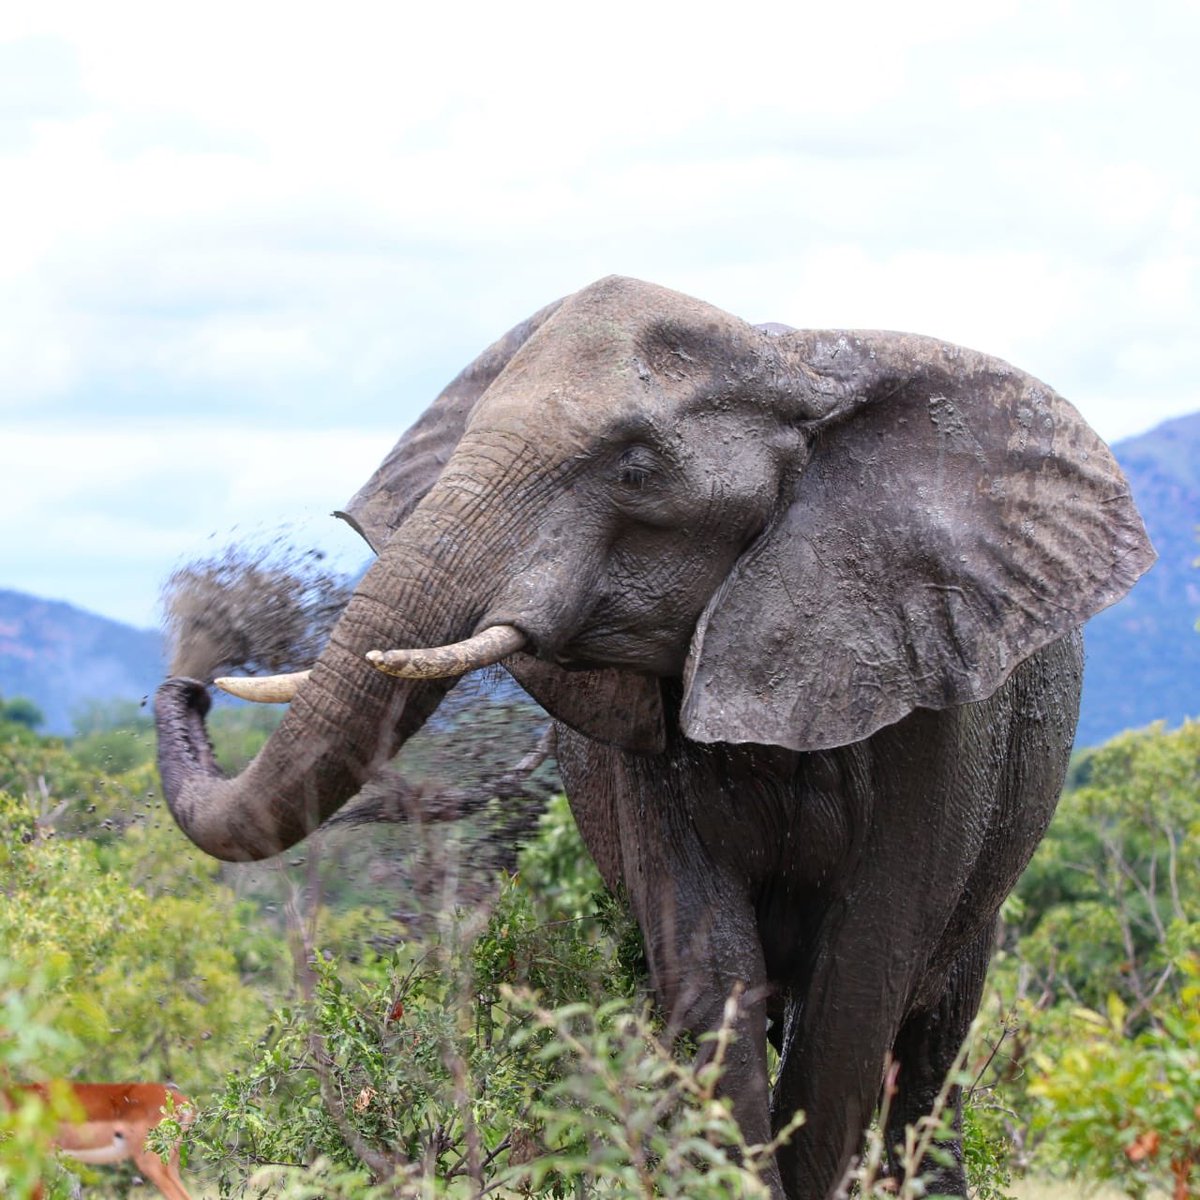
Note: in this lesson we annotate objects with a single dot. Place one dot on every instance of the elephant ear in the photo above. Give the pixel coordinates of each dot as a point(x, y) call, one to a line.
point(954, 516)
point(611, 706)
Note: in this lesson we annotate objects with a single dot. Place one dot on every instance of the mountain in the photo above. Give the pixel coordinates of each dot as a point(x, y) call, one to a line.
point(61, 657)
point(1143, 654)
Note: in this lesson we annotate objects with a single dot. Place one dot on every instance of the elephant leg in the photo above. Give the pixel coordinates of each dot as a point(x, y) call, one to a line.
point(835, 1046)
point(925, 1050)
point(697, 963)
point(696, 969)
point(697, 921)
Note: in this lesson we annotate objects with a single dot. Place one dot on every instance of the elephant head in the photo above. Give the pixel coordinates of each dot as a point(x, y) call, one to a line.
point(812, 532)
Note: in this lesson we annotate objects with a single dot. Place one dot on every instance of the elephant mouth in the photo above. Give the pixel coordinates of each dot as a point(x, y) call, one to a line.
point(625, 649)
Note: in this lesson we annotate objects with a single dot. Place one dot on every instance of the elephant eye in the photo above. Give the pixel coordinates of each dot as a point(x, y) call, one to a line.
point(635, 468)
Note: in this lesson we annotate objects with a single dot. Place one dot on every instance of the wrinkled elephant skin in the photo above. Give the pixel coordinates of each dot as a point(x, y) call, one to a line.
point(806, 606)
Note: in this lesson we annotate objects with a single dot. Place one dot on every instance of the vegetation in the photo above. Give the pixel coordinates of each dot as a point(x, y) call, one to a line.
point(27, 1037)
point(452, 1070)
point(21, 712)
point(347, 1034)
point(1099, 1066)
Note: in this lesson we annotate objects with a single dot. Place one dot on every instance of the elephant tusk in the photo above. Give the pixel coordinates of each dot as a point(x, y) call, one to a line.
point(263, 689)
point(441, 662)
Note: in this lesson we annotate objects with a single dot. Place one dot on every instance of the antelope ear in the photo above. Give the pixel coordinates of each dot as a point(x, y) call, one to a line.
point(413, 465)
point(610, 706)
point(954, 516)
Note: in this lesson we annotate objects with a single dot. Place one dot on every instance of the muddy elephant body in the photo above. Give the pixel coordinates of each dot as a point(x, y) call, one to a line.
point(811, 879)
point(806, 606)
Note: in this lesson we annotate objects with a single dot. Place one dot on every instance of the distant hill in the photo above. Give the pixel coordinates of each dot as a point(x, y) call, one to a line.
point(1143, 659)
point(60, 657)
point(1143, 654)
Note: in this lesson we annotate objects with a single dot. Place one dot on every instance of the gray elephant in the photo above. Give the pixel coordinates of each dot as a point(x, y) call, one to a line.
point(805, 606)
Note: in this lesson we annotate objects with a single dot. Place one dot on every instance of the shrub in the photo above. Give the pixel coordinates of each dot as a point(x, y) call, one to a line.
point(1127, 1109)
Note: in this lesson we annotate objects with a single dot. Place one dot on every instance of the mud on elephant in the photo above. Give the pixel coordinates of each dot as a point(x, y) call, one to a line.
point(805, 605)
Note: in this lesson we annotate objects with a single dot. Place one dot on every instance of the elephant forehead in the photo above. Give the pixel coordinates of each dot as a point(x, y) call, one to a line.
point(633, 306)
point(617, 354)
point(574, 404)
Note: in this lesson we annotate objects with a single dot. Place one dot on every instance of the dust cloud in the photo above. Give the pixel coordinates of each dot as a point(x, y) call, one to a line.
point(251, 610)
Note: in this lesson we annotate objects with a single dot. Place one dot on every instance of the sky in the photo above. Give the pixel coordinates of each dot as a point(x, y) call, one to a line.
point(243, 245)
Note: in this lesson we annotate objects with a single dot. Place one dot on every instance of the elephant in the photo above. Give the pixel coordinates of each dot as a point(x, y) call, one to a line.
point(805, 607)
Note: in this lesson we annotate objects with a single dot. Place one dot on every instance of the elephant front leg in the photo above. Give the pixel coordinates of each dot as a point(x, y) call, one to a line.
point(837, 1037)
point(702, 942)
point(703, 954)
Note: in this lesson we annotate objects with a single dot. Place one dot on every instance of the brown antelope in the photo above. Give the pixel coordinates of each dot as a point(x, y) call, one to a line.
point(116, 1119)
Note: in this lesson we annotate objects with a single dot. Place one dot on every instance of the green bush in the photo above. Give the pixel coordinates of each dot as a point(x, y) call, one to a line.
point(1127, 1108)
point(1097, 970)
point(408, 1062)
point(142, 955)
point(1113, 893)
point(28, 1038)
point(438, 1073)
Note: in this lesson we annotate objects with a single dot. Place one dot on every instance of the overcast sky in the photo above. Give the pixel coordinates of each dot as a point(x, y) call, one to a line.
point(244, 244)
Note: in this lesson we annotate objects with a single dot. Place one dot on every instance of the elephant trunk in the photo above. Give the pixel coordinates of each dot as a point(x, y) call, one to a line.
point(347, 719)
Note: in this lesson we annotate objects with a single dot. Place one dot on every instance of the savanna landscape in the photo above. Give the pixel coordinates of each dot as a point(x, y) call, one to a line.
point(387, 1013)
point(739, 738)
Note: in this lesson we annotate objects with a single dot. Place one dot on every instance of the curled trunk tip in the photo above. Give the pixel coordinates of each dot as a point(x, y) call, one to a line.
point(443, 662)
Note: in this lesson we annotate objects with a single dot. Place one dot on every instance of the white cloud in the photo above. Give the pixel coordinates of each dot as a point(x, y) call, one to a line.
point(97, 504)
point(298, 220)
point(1028, 84)
point(241, 347)
point(52, 469)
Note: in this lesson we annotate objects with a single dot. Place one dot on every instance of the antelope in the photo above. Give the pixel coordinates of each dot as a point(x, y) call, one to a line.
point(116, 1119)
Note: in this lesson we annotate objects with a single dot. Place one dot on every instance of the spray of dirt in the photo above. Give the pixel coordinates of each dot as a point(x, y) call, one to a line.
point(476, 778)
point(251, 610)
